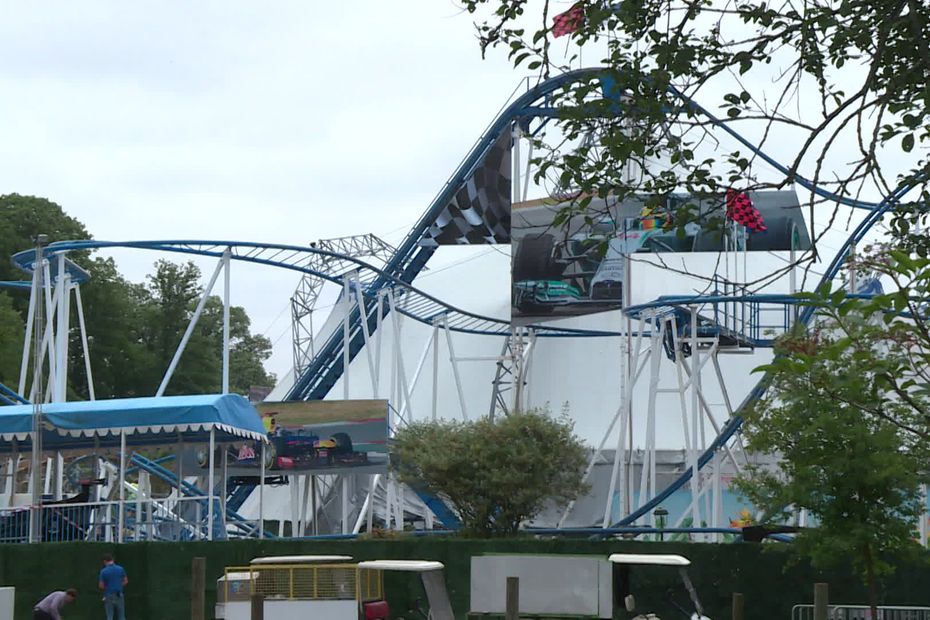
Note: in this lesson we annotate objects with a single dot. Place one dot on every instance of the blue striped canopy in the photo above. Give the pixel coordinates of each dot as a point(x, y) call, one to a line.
point(81, 425)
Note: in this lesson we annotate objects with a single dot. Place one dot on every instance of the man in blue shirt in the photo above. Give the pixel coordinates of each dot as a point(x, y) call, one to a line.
point(112, 581)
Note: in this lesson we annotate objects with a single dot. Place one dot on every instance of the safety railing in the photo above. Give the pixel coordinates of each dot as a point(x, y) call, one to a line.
point(730, 311)
point(166, 519)
point(303, 582)
point(863, 612)
point(751, 316)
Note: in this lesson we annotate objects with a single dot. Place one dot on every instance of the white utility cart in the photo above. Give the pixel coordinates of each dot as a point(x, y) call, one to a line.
point(622, 589)
point(276, 577)
point(324, 588)
point(576, 586)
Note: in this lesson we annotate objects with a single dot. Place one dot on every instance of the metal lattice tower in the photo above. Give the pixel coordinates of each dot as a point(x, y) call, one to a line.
point(512, 370)
point(304, 299)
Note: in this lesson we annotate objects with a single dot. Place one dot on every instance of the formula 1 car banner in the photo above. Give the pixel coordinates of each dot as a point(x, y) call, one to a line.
point(317, 437)
point(578, 267)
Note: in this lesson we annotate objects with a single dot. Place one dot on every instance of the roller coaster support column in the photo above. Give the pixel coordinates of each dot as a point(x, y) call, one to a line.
point(514, 360)
point(497, 392)
point(121, 521)
point(63, 293)
point(403, 389)
point(379, 308)
point(210, 484)
point(346, 336)
point(190, 330)
point(226, 277)
point(695, 419)
point(365, 512)
point(83, 328)
point(416, 376)
point(435, 339)
point(373, 371)
point(224, 484)
point(647, 478)
point(28, 336)
point(629, 373)
point(518, 349)
point(522, 352)
point(516, 136)
point(35, 521)
point(48, 344)
point(261, 494)
point(455, 368)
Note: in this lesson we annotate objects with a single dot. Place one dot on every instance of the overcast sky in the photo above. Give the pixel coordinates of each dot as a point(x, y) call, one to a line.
point(284, 122)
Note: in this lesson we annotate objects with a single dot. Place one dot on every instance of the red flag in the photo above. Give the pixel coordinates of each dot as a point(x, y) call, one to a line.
point(741, 210)
point(569, 21)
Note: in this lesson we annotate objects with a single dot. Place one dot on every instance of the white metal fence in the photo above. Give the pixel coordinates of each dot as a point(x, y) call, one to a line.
point(863, 612)
point(166, 519)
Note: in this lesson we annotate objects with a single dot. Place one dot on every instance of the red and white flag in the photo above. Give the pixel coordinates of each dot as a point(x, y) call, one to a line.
point(569, 21)
point(741, 210)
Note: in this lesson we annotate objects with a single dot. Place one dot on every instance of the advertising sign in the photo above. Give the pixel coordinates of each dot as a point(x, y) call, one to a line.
point(317, 437)
point(578, 267)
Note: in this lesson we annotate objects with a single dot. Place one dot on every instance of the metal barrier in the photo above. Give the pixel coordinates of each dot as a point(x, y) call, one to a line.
point(304, 582)
point(863, 612)
point(170, 519)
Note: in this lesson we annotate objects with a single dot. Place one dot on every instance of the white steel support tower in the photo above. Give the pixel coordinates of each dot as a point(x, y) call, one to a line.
point(307, 293)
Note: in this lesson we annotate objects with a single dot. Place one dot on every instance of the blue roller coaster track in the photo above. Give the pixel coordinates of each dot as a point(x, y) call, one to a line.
point(412, 255)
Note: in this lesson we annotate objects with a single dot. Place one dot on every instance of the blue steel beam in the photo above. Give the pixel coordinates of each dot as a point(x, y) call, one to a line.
point(410, 258)
point(733, 425)
point(326, 368)
point(293, 257)
point(11, 397)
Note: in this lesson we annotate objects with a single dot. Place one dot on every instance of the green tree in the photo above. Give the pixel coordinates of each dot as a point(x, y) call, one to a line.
point(173, 292)
point(133, 329)
point(852, 453)
point(495, 474)
point(21, 219)
point(247, 354)
point(121, 362)
point(11, 342)
point(847, 80)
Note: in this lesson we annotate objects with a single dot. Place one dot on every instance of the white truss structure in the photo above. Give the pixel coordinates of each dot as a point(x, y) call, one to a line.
point(307, 293)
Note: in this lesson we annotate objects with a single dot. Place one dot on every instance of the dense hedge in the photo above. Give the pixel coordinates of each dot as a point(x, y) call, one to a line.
point(159, 573)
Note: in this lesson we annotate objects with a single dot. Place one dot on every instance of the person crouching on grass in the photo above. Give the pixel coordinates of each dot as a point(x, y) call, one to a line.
point(50, 607)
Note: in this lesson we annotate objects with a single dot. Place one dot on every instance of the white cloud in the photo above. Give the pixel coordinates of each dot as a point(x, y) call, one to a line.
point(286, 122)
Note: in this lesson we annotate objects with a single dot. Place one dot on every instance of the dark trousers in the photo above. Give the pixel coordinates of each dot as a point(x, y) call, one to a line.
point(38, 614)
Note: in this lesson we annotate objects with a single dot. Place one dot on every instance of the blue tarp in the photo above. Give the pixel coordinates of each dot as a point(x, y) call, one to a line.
point(149, 421)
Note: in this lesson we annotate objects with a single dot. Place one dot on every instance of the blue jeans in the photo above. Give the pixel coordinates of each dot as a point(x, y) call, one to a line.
point(115, 606)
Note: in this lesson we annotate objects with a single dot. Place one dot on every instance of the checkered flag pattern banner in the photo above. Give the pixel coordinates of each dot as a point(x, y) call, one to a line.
point(741, 210)
point(569, 21)
point(480, 211)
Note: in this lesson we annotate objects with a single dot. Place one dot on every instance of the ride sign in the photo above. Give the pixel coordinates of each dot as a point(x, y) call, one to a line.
point(317, 437)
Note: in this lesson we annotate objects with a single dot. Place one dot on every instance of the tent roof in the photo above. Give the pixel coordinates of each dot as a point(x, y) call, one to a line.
point(146, 421)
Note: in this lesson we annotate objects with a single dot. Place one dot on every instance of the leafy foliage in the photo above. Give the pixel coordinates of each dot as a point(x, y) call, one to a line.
point(133, 329)
point(846, 81)
point(166, 305)
point(496, 474)
point(843, 413)
point(11, 341)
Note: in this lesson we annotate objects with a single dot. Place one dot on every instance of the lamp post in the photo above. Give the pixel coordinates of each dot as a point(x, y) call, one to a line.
point(661, 514)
